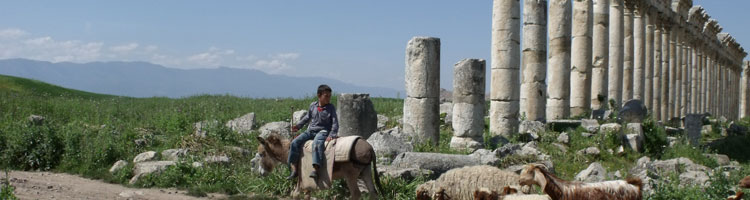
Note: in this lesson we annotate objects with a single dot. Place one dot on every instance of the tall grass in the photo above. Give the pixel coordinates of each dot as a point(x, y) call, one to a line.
point(85, 133)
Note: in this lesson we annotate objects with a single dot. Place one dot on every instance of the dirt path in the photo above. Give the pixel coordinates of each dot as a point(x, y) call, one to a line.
point(47, 185)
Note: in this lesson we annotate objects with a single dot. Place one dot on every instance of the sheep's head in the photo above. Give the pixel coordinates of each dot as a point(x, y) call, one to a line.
point(507, 190)
point(485, 194)
point(533, 174)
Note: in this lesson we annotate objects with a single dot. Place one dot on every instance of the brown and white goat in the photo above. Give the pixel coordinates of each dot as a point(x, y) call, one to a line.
point(745, 182)
point(556, 188)
point(737, 196)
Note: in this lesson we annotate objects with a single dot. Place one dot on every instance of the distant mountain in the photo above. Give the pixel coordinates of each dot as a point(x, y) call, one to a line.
point(142, 79)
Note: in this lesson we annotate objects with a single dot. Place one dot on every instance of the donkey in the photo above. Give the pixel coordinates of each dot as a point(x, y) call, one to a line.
point(274, 150)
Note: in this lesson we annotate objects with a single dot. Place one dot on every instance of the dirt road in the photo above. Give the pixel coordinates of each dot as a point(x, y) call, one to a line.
point(47, 185)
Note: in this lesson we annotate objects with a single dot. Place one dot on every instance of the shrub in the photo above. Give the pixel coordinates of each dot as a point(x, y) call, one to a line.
point(6, 190)
point(31, 147)
point(655, 140)
point(670, 188)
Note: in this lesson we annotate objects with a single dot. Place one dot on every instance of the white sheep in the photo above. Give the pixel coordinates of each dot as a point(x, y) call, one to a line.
point(461, 183)
point(556, 188)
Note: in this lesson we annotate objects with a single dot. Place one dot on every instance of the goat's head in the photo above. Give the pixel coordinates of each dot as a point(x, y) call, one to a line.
point(533, 174)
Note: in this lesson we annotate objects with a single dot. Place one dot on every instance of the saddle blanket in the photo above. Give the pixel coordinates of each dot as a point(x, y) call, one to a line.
point(337, 150)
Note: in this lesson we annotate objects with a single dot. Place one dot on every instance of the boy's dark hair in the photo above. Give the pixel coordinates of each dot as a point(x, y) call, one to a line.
point(323, 88)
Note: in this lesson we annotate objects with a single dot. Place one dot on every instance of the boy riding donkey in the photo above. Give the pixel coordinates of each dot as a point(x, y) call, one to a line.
point(323, 127)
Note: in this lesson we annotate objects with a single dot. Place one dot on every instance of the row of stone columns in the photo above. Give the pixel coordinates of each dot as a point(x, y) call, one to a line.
point(668, 54)
point(663, 52)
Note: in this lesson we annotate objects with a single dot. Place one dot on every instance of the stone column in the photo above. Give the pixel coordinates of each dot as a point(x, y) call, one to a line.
point(656, 101)
point(706, 80)
point(714, 89)
point(533, 88)
point(736, 92)
point(356, 115)
point(695, 80)
point(421, 106)
point(745, 90)
point(504, 89)
point(468, 104)
point(664, 86)
point(558, 88)
point(639, 62)
point(720, 89)
point(702, 71)
point(580, 77)
point(649, 63)
point(715, 86)
point(600, 48)
point(684, 68)
point(616, 51)
point(674, 47)
point(727, 91)
point(627, 68)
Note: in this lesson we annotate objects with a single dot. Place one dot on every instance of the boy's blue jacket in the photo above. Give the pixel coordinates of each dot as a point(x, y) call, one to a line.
point(321, 118)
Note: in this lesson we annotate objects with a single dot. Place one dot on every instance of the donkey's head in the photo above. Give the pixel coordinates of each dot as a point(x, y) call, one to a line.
point(272, 151)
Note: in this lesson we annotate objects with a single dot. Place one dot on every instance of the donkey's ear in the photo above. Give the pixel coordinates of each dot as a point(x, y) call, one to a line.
point(273, 140)
point(261, 140)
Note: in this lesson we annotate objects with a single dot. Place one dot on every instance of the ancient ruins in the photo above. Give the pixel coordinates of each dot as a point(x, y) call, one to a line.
point(580, 57)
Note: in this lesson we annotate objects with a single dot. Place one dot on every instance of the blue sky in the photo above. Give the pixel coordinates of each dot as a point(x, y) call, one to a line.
point(360, 42)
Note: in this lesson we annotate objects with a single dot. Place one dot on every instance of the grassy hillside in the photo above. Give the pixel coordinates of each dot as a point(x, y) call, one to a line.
point(11, 84)
point(85, 133)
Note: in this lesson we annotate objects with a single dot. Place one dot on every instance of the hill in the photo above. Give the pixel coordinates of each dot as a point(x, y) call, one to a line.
point(26, 86)
point(142, 79)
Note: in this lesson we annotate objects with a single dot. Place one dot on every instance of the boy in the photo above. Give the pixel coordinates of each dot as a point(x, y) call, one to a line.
point(323, 120)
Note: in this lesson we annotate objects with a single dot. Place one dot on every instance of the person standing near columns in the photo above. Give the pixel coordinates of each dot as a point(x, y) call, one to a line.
point(600, 57)
point(580, 75)
point(616, 48)
point(504, 88)
point(627, 68)
point(533, 88)
point(558, 87)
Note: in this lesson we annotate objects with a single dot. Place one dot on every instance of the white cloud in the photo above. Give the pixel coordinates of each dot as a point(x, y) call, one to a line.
point(125, 48)
point(214, 57)
point(12, 33)
point(17, 43)
point(46, 48)
point(151, 48)
point(276, 64)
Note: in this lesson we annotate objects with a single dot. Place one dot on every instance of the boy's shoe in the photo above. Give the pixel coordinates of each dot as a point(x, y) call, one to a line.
point(293, 175)
point(314, 174)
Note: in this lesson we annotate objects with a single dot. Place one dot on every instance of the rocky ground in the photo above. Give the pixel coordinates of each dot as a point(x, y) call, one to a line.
point(47, 185)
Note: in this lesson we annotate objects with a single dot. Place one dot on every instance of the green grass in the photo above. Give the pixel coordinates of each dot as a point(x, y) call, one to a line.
point(85, 133)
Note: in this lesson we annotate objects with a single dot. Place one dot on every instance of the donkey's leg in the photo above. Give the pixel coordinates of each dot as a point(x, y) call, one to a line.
point(366, 176)
point(351, 182)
